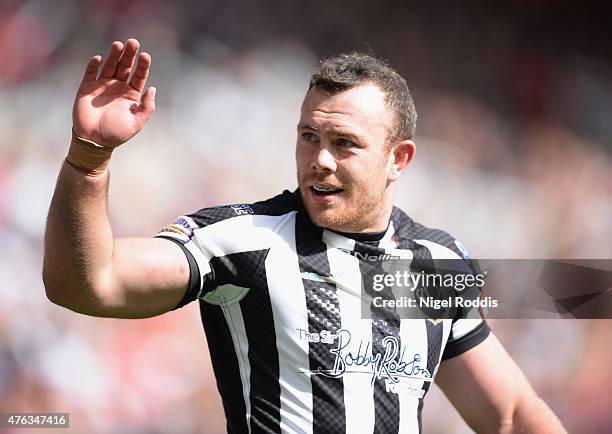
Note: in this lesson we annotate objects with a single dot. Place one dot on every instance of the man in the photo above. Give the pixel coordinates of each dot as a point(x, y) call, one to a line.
point(279, 281)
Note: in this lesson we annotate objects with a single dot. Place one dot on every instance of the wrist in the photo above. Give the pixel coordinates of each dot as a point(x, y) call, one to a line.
point(87, 156)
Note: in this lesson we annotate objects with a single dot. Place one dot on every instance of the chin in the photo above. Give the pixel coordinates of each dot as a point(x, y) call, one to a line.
point(331, 218)
point(324, 219)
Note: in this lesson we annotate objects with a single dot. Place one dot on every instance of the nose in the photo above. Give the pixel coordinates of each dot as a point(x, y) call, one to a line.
point(323, 161)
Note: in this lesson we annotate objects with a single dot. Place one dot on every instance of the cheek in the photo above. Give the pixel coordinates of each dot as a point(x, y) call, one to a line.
point(370, 173)
point(299, 165)
point(302, 157)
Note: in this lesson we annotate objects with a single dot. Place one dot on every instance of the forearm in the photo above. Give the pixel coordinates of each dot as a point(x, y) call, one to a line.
point(78, 239)
point(533, 416)
point(492, 394)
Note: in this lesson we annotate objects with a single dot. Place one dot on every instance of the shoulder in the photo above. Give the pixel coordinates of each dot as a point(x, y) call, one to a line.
point(226, 219)
point(409, 232)
point(275, 206)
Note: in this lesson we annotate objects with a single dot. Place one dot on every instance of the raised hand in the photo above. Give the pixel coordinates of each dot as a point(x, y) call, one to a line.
point(108, 109)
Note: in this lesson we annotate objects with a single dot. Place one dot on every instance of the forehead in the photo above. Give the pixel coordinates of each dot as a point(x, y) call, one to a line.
point(361, 109)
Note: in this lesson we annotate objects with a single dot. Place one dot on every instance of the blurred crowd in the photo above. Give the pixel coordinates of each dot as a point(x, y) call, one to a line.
point(513, 158)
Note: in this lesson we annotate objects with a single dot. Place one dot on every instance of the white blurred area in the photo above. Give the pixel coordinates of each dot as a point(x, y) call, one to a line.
point(224, 132)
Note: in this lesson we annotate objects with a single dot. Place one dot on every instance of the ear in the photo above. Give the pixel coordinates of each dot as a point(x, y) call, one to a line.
point(399, 157)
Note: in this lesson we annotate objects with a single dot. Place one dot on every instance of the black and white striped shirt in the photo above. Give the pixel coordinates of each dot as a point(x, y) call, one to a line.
point(281, 302)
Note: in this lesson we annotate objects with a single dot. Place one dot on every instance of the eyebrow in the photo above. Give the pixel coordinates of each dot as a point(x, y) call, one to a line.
point(307, 127)
point(338, 132)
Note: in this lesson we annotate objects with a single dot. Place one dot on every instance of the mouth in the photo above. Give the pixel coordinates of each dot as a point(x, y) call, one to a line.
point(321, 190)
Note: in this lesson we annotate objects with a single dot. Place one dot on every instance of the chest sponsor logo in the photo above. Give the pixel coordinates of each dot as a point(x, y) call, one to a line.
point(352, 356)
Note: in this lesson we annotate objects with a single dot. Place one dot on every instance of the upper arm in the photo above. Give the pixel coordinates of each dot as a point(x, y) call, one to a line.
point(147, 277)
point(485, 385)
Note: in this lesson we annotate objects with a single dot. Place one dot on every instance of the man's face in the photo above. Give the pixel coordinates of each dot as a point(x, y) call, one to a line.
point(343, 163)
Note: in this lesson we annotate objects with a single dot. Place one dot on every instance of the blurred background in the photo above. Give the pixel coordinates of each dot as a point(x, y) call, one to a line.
point(514, 159)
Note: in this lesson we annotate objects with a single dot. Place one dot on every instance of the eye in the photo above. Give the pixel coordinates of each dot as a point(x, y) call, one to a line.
point(345, 143)
point(309, 137)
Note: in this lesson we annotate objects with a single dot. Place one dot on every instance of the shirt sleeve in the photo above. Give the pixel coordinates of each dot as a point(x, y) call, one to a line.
point(470, 327)
point(465, 334)
point(201, 269)
point(194, 275)
point(225, 247)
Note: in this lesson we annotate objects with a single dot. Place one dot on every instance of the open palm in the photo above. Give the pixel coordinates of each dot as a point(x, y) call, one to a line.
point(108, 109)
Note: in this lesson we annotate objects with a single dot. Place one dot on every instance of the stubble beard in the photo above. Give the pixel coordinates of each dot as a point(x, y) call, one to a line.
point(359, 209)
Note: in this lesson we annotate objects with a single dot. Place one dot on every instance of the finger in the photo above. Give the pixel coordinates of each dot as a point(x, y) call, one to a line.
point(91, 70)
point(127, 59)
point(112, 60)
point(139, 78)
point(148, 101)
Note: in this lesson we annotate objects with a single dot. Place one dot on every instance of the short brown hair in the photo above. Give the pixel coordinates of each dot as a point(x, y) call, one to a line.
point(344, 71)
